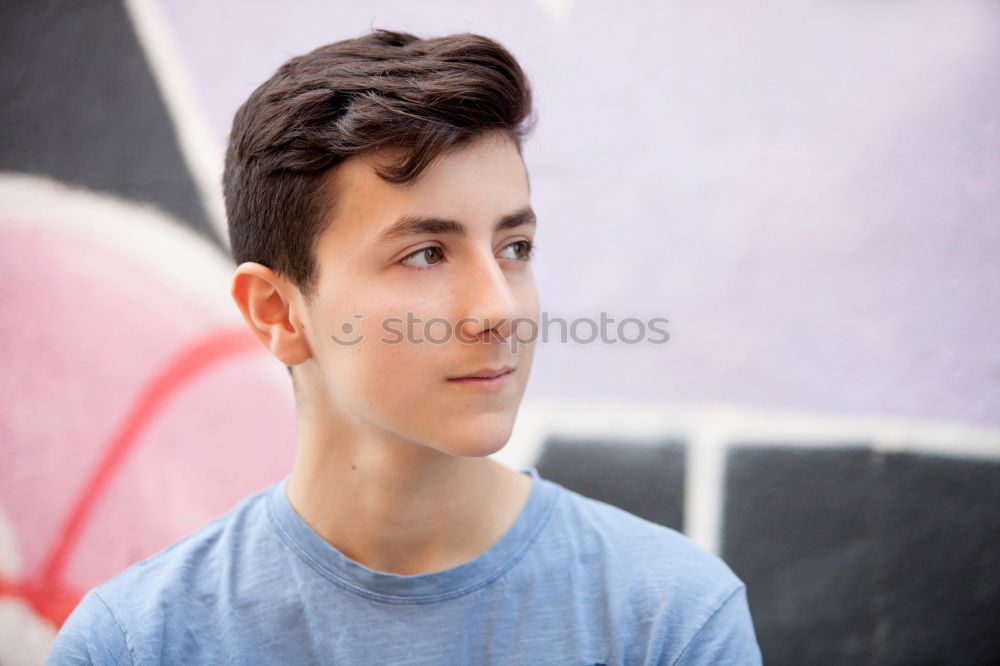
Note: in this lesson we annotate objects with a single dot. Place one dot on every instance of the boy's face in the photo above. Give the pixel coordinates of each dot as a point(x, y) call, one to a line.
point(383, 364)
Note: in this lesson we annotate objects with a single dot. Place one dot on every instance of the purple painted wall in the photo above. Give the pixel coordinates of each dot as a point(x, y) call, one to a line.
point(809, 192)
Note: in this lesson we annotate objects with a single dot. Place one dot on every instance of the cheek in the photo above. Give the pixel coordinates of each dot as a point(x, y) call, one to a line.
point(397, 387)
point(385, 369)
point(532, 304)
point(530, 310)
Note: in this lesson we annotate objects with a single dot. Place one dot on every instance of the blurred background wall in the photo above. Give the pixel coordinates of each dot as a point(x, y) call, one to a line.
point(808, 191)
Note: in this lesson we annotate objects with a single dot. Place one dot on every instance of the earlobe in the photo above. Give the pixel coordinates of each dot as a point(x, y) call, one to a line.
point(265, 300)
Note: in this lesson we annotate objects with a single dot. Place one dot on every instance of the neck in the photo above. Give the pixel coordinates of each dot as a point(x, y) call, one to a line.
point(397, 506)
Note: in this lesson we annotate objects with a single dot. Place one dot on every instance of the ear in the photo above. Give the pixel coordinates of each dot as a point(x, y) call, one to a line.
point(269, 306)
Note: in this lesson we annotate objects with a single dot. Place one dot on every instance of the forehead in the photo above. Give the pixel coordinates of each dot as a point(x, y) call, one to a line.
point(476, 184)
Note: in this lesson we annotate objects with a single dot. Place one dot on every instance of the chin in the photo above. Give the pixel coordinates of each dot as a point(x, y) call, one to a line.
point(479, 438)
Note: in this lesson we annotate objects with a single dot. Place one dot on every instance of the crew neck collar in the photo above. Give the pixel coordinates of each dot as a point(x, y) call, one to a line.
point(421, 588)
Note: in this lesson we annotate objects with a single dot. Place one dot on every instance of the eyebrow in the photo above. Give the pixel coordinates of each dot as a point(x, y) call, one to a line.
point(412, 226)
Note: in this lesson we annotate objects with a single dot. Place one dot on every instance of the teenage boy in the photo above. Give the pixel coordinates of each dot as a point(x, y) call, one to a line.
point(380, 216)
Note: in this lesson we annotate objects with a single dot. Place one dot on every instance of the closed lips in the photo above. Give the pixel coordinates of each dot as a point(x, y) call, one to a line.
point(486, 373)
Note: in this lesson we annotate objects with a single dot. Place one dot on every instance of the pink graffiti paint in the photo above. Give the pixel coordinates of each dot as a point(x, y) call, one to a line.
point(135, 406)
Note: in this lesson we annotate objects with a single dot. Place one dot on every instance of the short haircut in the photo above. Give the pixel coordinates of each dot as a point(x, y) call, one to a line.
point(383, 89)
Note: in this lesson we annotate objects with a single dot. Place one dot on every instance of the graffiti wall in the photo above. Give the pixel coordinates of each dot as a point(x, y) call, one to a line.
point(136, 405)
point(808, 192)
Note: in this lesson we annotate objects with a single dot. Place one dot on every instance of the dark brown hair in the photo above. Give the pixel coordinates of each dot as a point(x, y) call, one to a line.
point(384, 89)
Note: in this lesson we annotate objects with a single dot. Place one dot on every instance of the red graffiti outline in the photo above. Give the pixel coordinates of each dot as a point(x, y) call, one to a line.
point(44, 590)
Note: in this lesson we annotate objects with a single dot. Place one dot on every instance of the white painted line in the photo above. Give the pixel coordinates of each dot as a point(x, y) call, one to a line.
point(197, 143)
point(704, 488)
point(741, 425)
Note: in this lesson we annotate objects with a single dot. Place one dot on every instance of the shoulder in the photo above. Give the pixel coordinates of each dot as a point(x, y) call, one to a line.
point(125, 613)
point(684, 601)
point(91, 635)
point(655, 555)
point(194, 559)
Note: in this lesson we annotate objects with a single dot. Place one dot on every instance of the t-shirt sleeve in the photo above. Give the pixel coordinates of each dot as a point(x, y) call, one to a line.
point(90, 635)
point(727, 637)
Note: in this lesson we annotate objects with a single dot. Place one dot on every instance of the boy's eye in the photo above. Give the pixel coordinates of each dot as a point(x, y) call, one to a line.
point(522, 251)
point(429, 257)
point(423, 258)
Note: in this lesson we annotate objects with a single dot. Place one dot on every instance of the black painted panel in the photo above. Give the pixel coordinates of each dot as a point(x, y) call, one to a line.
point(851, 556)
point(646, 479)
point(797, 531)
point(79, 104)
point(939, 551)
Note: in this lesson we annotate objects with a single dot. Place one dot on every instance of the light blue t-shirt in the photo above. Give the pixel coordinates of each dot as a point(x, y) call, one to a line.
point(573, 582)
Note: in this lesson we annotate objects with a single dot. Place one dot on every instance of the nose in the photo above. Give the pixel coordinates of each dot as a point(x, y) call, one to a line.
point(490, 306)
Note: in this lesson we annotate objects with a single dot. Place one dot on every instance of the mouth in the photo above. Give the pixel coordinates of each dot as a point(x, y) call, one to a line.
point(486, 373)
point(486, 378)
